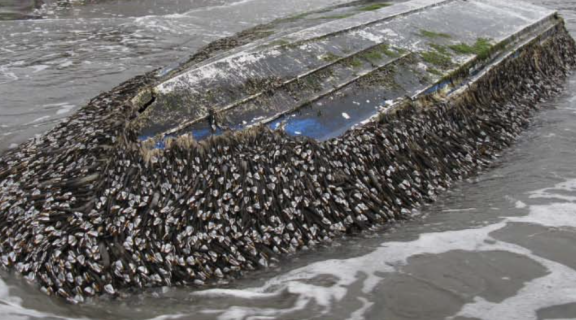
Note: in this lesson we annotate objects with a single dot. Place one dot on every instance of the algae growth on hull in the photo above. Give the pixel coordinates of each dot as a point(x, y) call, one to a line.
point(318, 70)
point(87, 209)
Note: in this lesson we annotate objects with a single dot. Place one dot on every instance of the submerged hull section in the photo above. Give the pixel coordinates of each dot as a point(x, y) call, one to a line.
point(325, 79)
point(90, 209)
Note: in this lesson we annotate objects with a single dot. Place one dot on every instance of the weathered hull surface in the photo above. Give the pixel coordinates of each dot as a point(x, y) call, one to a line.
point(323, 80)
point(122, 197)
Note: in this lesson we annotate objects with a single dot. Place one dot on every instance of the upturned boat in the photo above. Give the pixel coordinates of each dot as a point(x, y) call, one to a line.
point(275, 140)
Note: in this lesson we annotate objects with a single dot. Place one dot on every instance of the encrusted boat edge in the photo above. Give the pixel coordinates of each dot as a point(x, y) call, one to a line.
point(87, 210)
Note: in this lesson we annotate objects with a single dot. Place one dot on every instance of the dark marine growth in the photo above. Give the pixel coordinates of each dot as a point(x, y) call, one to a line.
point(90, 209)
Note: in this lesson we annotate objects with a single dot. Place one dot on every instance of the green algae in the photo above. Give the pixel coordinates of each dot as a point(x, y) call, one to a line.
point(336, 17)
point(329, 57)
point(440, 56)
point(440, 49)
point(437, 59)
point(378, 53)
point(401, 51)
point(372, 55)
point(385, 49)
point(354, 62)
point(481, 48)
point(375, 6)
point(434, 35)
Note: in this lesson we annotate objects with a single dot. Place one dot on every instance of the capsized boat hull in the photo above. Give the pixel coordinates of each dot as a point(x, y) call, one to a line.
point(325, 79)
point(90, 208)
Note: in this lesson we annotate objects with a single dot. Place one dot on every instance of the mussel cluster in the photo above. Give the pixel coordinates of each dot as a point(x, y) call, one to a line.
point(87, 209)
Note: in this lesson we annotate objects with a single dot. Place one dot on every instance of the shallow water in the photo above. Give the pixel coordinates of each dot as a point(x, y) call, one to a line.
point(500, 246)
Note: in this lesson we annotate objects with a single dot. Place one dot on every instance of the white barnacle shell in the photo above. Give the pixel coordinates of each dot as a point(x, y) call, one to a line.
point(109, 289)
